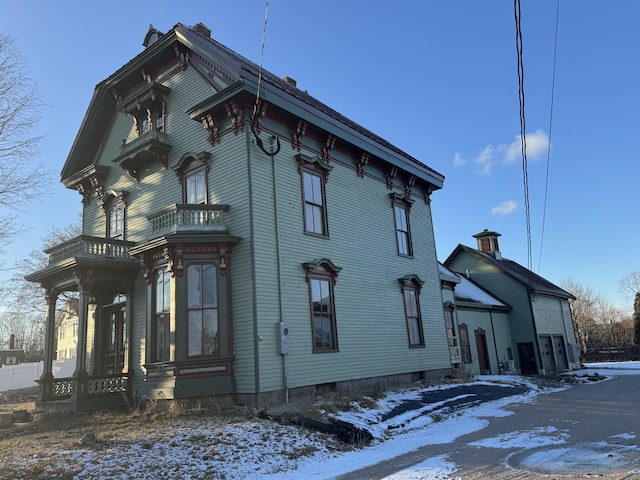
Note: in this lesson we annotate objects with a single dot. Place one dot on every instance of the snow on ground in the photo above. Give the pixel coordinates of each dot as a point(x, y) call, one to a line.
point(261, 449)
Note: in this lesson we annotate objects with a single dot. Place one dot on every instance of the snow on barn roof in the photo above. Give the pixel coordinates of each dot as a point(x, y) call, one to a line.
point(467, 290)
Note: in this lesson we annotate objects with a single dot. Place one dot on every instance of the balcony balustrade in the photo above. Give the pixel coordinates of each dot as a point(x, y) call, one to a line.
point(188, 217)
point(87, 246)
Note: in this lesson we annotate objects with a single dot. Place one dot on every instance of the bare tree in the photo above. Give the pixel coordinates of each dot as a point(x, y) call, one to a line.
point(586, 309)
point(21, 178)
point(25, 313)
point(599, 325)
point(629, 285)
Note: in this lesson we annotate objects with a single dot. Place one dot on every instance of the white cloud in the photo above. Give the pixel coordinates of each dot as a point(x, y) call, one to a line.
point(537, 146)
point(489, 156)
point(505, 208)
point(487, 159)
point(459, 160)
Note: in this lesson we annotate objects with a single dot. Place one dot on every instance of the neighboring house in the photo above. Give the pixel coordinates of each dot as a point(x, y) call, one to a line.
point(241, 247)
point(479, 324)
point(11, 357)
point(539, 336)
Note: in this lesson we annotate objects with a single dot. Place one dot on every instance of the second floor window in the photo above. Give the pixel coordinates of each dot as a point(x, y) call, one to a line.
point(314, 174)
point(314, 204)
point(115, 207)
point(116, 222)
point(401, 207)
point(193, 172)
point(195, 187)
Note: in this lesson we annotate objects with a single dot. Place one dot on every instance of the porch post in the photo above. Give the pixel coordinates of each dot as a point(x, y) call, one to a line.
point(128, 335)
point(83, 314)
point(50, 336)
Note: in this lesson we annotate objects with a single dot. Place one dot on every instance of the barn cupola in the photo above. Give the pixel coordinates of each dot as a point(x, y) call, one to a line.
point(488, 243)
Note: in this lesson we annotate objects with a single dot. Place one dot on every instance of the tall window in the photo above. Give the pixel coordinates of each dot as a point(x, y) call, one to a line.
point(202, 310)
point(322, 312)
point(314, 204)
point(451, 331)
point(401, 207)
point(411, 286)
point(116, 221)
point(195, 187)
point(162, 314)
point(193, 172)
point(314, 174)
point(115, 205)
point(321, 276)
point(465, 346)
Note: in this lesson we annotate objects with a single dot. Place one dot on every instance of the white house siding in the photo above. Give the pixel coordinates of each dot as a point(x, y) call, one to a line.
point(371, 325)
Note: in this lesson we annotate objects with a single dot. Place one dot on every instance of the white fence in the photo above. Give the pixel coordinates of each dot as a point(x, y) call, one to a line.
point(24, 375)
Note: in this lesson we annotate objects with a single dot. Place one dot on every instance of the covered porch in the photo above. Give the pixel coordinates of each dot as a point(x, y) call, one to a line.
point(101, 272)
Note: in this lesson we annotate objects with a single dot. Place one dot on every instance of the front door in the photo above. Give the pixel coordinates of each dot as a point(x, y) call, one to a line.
point(483, 352)
point(116, 318)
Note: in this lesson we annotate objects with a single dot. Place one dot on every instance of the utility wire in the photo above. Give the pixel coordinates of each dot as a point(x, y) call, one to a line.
point(264, 38)
point(523, 137)
point(553, 85)
point(254, 117)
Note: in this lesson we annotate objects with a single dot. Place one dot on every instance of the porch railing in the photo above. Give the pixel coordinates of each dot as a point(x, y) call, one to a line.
point(189, 217)
point(57, 389)
point(85, 245)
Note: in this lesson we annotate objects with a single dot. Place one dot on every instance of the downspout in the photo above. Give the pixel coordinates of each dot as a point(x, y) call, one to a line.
point(285, 381)
point(254, 299)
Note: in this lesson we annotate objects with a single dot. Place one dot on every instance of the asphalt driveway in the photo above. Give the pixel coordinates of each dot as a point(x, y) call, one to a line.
point(595, 428)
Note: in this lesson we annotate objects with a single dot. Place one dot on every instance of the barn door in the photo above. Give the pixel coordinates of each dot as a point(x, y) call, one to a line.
point(483, 352)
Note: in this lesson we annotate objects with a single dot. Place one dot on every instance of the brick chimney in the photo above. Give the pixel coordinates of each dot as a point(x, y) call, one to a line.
point(488, 243)
point(202, 29)
point(290, 81)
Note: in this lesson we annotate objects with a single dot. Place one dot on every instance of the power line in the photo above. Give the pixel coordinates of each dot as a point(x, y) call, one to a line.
point(523, 137)
point(553, 84)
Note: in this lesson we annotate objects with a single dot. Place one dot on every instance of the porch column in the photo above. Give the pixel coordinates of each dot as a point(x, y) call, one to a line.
point(100, 336)
point(128, 335)
point(50, 336)
point(81, 353)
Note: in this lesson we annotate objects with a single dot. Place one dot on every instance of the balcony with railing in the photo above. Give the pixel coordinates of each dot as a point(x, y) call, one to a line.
point(85, 250)
point(150, 146)
point(189, 218)
point(85, 246)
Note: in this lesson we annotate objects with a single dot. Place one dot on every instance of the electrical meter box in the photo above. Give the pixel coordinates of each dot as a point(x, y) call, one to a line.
point(284, 339)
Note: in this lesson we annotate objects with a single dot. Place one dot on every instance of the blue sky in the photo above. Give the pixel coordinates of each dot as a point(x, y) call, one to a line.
point(436, 78)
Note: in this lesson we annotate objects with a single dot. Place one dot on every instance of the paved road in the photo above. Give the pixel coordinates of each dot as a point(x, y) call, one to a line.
point(595, 428)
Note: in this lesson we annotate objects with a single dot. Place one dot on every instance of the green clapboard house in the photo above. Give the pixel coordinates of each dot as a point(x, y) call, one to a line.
point(240, 238)
point(527, 327)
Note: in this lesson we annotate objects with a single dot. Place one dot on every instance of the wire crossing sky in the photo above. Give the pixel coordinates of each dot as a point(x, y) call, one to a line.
point(437, 79)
